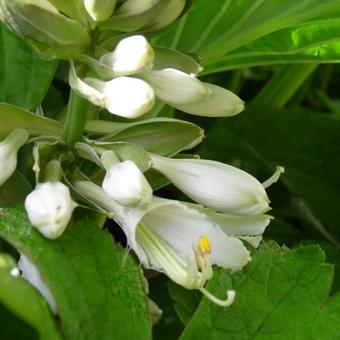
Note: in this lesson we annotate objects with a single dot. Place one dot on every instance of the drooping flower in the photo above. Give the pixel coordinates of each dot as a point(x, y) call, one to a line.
point(9, 148)
point(179, 239)
point(126, 184)
point(49, 207)
point(216, 185)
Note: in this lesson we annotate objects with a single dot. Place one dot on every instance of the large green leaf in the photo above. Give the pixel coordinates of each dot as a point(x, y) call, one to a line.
point(307, 144)
point(278, 296)
point(24, 76)
point(98, 292)
point(309, 43)
point(24, 300)
point(229, 34)
point(13, 117)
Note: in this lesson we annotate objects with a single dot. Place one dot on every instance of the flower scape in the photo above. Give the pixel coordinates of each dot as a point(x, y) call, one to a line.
point(114, 68)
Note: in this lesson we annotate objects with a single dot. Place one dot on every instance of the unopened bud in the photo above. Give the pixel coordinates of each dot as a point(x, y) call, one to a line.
point(49, 208)
point(126, 184)
point(132, 55)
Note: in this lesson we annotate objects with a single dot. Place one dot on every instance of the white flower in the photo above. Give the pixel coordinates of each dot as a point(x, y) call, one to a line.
point(123, 96)
point(49, 208)
point(31, 274)
point(100, 10)
point(126, 184)
point(132, 55)
point(8, 153)
point(216, 185)
point(180, 239)
point(186, 93)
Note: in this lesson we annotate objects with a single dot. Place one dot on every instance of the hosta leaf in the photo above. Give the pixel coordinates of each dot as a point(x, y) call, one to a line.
point(24, 76)
point(97, 292)
point(309, 43)
point(281, 296)
point(216, 30)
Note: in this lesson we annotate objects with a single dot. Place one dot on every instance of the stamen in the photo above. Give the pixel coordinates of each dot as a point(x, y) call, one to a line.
point(223, 303)
point(204, 245)
point(274, 177)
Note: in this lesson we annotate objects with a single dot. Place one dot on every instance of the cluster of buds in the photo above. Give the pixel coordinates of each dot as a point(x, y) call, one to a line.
point(128, 83)
point(183, 240)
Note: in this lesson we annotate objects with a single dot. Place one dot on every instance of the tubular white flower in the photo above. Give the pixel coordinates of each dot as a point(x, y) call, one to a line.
point(49, 208)
point(182, 240)
point(8, 153)
point(216, 185)
point(132, 55)
point(31, 274)
point(126, 184)
point(100, 10)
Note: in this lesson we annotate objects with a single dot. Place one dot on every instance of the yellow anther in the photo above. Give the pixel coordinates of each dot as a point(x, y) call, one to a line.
point(204, 245)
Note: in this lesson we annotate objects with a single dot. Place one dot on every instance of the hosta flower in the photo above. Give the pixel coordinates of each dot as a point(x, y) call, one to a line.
point(216, 185)
point(134, 56)
point(31, 274)
point(49, 207)
point(8, 153)
point(181, 240)
point(126, 184)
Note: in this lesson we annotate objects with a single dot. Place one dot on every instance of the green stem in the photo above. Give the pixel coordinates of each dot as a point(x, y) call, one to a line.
point(277, 92)
point(75, 119)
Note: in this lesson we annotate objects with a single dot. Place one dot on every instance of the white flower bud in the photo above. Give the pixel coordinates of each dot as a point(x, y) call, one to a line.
point(135, 7)
point(216, 185)
point(126, 184)
point(8, 153)
point(124, 96)
point(100, 10)
point(131, 55)
point(49, 208)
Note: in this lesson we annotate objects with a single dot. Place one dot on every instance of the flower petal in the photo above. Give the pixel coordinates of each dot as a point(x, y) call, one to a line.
point(181, 227)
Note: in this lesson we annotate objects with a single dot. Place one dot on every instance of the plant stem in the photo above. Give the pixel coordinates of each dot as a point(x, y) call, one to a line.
point(75, 119)
point(277, 92)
